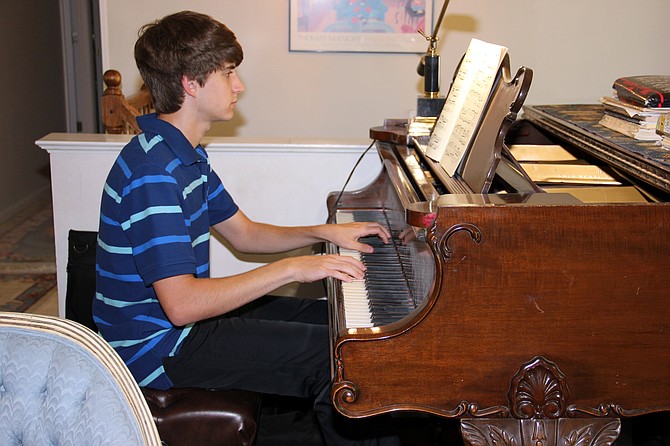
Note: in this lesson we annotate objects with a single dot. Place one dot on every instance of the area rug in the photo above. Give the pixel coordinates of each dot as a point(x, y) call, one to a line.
point(27, 258)
point(22, 291)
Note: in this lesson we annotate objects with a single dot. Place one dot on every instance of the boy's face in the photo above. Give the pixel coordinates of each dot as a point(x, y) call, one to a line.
point(220, 93)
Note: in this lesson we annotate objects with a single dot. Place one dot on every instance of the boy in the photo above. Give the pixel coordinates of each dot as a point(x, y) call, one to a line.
point(155, 303)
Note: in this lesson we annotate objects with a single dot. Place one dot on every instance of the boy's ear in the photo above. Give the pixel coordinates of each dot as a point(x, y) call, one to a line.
point(189, 85)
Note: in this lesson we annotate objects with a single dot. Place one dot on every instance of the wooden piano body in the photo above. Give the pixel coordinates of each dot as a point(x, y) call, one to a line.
point(545, 319)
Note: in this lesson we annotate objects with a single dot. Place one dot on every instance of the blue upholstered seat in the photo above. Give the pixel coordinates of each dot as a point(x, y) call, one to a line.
point(60, 384)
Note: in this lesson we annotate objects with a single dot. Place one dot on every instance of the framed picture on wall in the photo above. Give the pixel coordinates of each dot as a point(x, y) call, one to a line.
point(385, 26)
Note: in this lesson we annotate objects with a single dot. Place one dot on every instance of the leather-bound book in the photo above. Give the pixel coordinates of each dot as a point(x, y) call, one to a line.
point(645, 90)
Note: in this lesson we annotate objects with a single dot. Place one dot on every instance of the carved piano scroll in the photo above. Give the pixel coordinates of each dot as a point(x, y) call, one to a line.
point(344, 392)
point(442, 244)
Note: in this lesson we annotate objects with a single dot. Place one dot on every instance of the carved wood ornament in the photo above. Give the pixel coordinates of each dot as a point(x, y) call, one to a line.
point(537, 397)
point(441, 244)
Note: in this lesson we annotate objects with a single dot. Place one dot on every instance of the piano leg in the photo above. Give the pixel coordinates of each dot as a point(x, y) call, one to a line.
point(540, 432)
point(538, 399)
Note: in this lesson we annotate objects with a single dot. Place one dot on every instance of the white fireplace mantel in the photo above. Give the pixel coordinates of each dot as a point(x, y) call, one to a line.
point(282, 181)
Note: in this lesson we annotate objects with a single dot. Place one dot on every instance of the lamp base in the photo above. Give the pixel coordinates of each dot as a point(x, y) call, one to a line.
point(429, 106)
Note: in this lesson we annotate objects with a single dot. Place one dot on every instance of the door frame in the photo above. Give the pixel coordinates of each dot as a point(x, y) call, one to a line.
point(82, 64)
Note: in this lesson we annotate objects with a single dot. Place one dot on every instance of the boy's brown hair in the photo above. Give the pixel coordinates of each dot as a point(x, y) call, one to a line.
point(187, 44)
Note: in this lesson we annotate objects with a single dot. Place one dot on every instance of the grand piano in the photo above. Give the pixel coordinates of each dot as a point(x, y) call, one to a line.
point(535, 309)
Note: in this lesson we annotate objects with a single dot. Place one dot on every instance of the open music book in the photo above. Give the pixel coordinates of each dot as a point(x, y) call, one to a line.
point(465, 104)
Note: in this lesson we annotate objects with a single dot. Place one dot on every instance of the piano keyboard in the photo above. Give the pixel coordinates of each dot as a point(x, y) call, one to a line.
point(384, 295)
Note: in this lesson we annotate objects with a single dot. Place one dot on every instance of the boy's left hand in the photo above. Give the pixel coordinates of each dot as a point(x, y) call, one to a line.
point(346, 235)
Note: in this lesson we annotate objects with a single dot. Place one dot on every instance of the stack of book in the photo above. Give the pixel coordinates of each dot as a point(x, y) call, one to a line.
point(663, 129)
point(636, 106)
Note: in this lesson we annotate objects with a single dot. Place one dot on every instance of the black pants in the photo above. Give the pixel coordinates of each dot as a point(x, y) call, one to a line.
point(274, 345)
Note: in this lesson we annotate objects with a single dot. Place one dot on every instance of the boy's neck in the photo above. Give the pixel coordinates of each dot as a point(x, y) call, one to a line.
point(192, 129)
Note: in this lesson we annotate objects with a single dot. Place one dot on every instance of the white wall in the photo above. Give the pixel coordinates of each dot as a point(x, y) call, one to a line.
point(576, 48)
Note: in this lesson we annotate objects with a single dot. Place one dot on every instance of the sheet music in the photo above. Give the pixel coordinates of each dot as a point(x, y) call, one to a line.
point(465, 104)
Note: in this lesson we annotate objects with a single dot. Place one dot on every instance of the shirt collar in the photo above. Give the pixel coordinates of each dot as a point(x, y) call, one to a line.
point(172, 136)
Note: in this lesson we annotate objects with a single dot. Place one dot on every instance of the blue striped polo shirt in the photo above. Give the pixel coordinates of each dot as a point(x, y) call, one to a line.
point(159, 200)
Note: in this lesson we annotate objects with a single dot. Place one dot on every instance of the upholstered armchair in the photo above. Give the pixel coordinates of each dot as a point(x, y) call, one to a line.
point(60, 383)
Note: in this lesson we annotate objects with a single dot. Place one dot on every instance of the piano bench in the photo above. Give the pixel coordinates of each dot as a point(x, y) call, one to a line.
point(200, 416)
